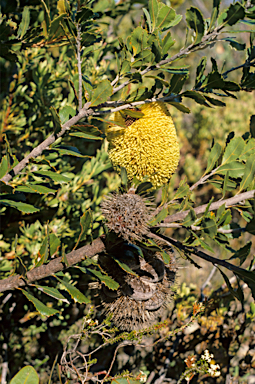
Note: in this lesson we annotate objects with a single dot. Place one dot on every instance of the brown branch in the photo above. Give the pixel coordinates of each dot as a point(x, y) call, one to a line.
point(193, 250)
point(202, 208)
point(53, 266)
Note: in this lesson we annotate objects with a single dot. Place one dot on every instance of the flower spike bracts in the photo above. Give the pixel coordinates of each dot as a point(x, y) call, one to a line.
point(148, 146)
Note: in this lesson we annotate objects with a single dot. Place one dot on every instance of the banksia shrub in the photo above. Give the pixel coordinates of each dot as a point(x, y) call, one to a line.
point(148, 146)
point(143, 295)
point(127, 215)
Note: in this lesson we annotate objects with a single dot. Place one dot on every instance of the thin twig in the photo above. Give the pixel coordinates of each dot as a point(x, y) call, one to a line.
point(78, 41)
point(214, 206)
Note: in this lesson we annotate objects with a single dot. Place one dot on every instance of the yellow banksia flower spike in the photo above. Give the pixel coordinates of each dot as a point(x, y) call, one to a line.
point(148, 146)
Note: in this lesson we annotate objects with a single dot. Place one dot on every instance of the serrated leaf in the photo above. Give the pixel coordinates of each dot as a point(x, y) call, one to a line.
point(34, 188)
point(249, 173)
point(200, 71)
point(65, 113)
point(56, 119)
point(234, 13)
point(76, 295)
point(225, 218)
point(167, 42)
point(248, 150)
point(86, 136)
point(242, 253)
point(215, 13)
point(166, 17)
point(56, 28)
point(50, 243)
point(3, 166)
point(179, 106)
point(101, 94)
point(53, 292)
point(23, 207)
point(181, 192)
point(40, 307)
point(252, 126)
point(195, 21)
point(208, 225)
point(124, 266)
point(233, 150)
point(126, 67)
point(27, 375)
point(198, 97)
point(160, 217)
point(107, 280)
point(235, 169)
point(177, 82)
point(250, 227)
point(190, 218)
point(153, 9)
point(148, 19)
point(24, 25)
point(216, 102)
point(235, 293)
point(166, 257)
point(68, 151)
point(53, 175)
point(213, 157)
point(86, 223)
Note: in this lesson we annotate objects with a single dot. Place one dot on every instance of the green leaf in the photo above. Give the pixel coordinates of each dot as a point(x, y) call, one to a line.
point(153, 9)
point(213, 157)
point(56, 28)
point(124, 266)
point(179, 106)
point(195, 21)
point(198, 97)
point(166, 17)
point(250, 227)
point(58, 178)
point(208, 225)
point(56, 119)
point(50, 243)
point(216, 102)
point(234, 292)
point(27, 375)
point(24, 25)
point(143, 187)
point(123, 380)
point(252, 126)
point(248, 150)
point(215, 14)
point(234, 13)
point(34, 188)
point(86, 136)
point(123, 176)
point(44, 251)
point(177, 82)
point(135, 114)
point(86, 224)
point(200, 71)
point(159, 217)
point(148, 19)
point(190, 218)
point(53, 292)
point(242, 253)
point(166, 257)
point(233, 150)
point(167, 43)
point(249, 173)
point(76, 295)
point(46, 17)
point(40, 307)
point(23, 207)
point(235, 169)
point(3, 166)
point(101, 94)
point(107, 280)
point(68, 151)
point(225, 218)
point(65, 113)
point(181, 192)
point(126, 67)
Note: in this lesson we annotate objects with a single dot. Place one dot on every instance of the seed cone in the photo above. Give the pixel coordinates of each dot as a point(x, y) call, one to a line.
point(127, 215)
point(141, 296)
point(148, 146)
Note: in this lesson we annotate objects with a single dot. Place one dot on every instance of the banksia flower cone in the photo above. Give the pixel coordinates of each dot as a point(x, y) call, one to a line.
point(148, 146)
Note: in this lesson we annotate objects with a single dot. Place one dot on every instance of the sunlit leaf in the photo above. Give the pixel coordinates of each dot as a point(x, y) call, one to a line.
point(27, 375)
point(40, 307)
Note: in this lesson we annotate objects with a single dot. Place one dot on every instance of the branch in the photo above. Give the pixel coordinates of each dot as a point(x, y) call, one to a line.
point(192, 250)
point(54, 266)
point(202, 208)
point(78, 41)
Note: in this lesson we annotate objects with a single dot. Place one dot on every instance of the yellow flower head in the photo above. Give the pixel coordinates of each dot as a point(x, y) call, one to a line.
point(148, 146)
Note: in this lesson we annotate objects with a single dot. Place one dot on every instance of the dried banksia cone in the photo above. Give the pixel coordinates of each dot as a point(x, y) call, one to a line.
point(148, 146)
point(127, 215)
point(141, 296)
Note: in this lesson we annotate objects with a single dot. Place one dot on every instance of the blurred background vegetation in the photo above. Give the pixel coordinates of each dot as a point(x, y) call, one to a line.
point(45, 77)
